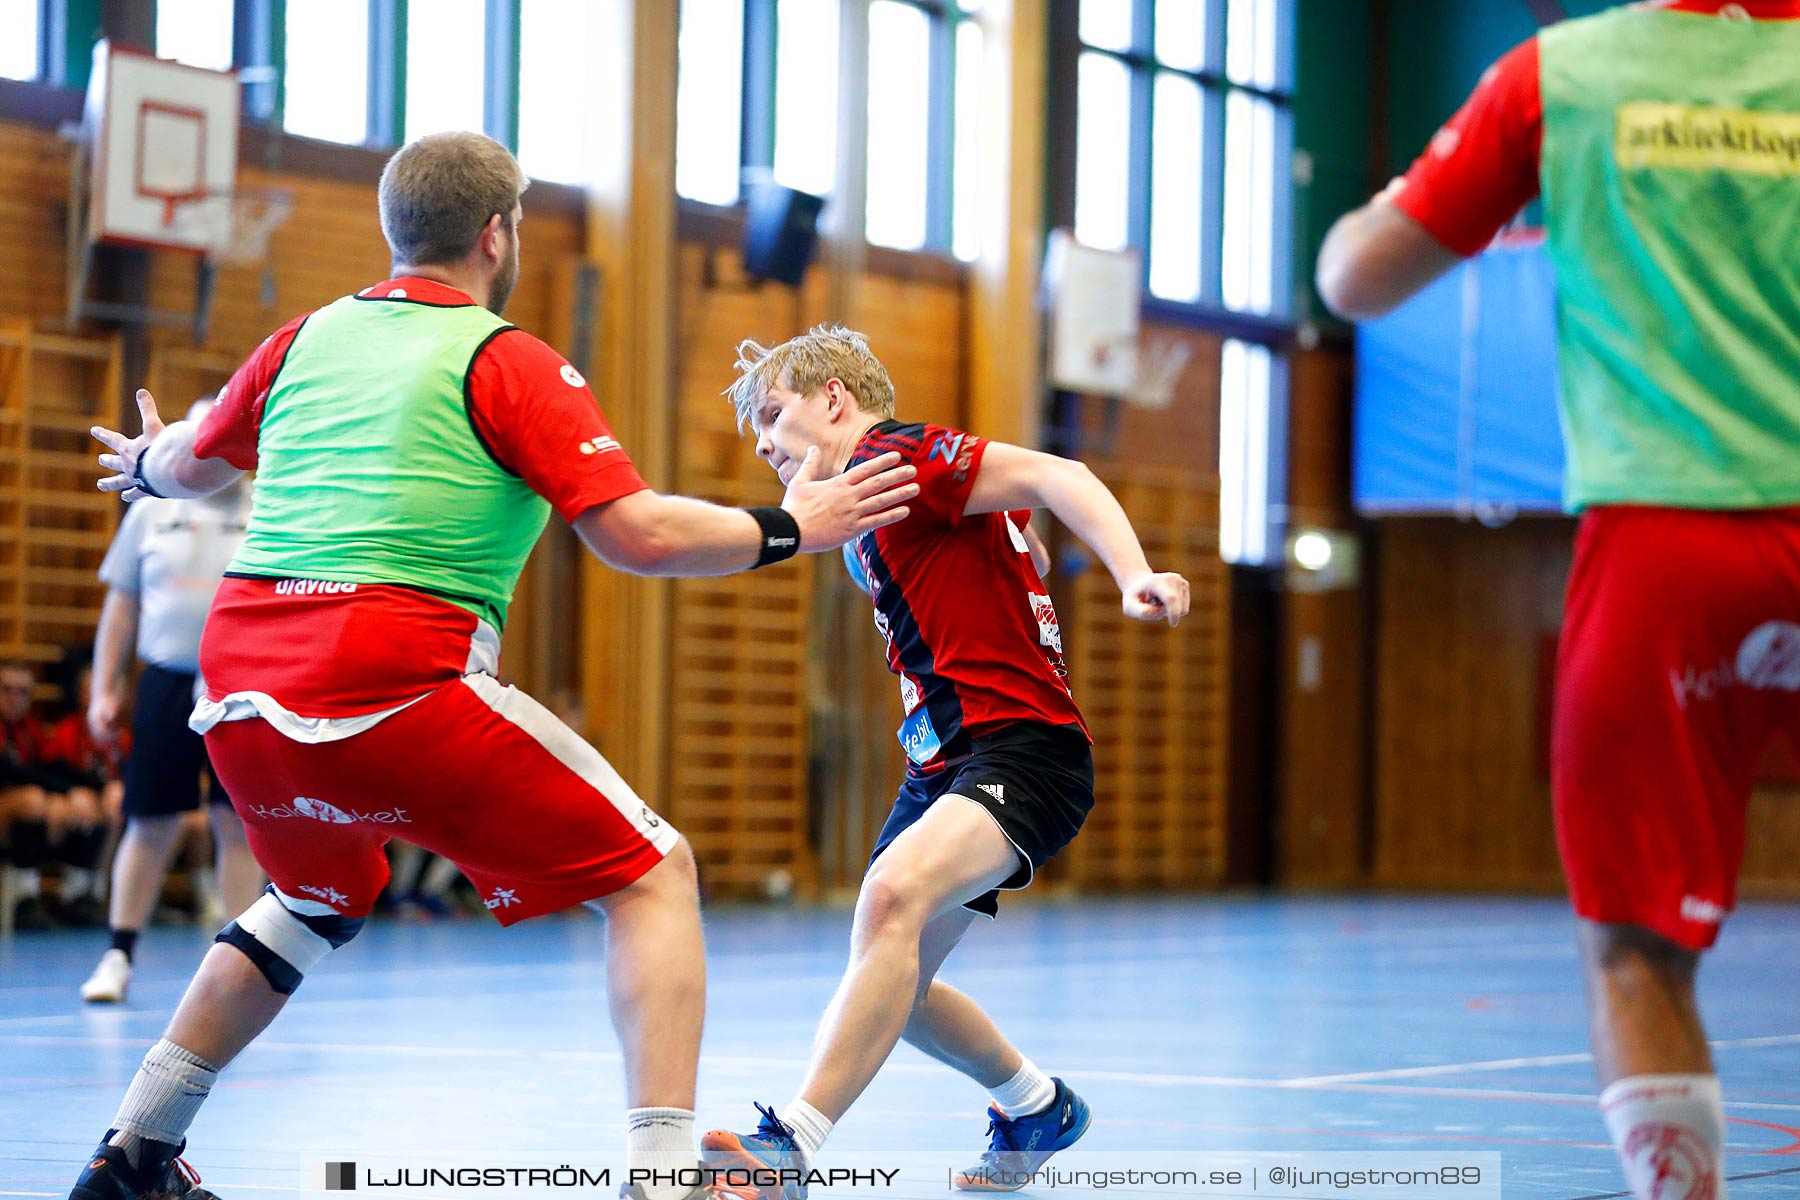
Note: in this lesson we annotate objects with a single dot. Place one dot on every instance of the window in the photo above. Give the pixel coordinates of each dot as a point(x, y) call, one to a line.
point(196, 32)
point(1102, 151)
point(445, 66)
point(806, 102)
point(326, 89)
point(972, 148)
point(1252, 451)
point(1183, 145)
point(899, 126)
point(555, 101)
point(19, 50)
point(757, 92)
point(709, 100)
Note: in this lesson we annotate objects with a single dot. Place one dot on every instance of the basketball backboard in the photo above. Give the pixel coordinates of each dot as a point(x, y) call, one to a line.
point(162, 151)
point(1093, 298)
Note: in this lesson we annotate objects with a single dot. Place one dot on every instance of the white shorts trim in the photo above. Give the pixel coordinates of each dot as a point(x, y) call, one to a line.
point(241, 706)
point(573, 752)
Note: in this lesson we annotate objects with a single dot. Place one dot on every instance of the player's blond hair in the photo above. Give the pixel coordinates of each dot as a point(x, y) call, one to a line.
point(438, 191)
point(803, 364)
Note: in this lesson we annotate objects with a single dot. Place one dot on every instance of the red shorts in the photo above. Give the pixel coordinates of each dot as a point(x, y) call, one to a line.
point(477, 772)
point(1680, 657)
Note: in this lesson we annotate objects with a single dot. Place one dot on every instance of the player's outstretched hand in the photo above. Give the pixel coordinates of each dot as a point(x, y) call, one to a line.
point(1157, 597)
point(832, 511)
point(126, 452)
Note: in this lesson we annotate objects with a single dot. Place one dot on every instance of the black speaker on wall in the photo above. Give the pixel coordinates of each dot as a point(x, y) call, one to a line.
point(781, 230)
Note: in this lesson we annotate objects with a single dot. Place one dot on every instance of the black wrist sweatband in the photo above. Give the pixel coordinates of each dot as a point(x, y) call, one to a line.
point(780, 535)
point(138, 481)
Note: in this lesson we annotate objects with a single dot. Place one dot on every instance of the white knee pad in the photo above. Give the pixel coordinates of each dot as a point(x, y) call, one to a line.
point(286, 937)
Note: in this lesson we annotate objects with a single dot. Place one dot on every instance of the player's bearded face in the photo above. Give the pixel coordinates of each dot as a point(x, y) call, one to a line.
point(507, 275)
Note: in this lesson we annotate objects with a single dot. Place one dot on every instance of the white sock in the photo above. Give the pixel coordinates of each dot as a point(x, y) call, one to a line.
point(661, 1139)
point(28, 881)
point(1027, 1093)
point(810, 1127)
point(1668, 1125)
point(161, 1102)
point(76, 882)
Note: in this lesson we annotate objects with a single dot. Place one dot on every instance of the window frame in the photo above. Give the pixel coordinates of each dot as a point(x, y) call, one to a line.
point(1212, 77)
point(761, 83)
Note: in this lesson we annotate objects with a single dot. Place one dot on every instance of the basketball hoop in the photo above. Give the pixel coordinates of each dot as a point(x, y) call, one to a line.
point(234, 227)
point(1160, 362)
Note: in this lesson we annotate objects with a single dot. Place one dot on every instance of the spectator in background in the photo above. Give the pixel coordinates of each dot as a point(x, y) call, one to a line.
point(48, 818)
point(161, 572)
point(80, 762)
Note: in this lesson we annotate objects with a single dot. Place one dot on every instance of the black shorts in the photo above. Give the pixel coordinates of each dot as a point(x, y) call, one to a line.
point(1035, 780)
point(167, 761)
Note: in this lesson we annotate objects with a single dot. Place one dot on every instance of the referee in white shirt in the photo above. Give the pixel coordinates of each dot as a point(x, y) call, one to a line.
point(161, 572)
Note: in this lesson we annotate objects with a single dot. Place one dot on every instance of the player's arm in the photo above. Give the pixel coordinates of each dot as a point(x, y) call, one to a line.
point(1377, 257)
point(533, 411)
point(1478, 172)
point(160, 461)
point(1013, 477)
point(647, 533)
point(113, 642)
point(190, 459)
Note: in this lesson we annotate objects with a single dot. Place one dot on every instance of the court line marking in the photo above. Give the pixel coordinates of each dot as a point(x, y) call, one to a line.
point(763, 1063)
point(1367, 1082)
point(1501, 1064)
point(1728, 1179)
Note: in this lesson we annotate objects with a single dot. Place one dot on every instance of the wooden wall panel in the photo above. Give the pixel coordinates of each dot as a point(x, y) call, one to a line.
point(1462, 795)
point(915, 328)
point(34, 197)
point(1322, 765)
point(54, 526)
point(1770, 866)
point(1156, 700)
point(737, 737)
point(1185, 435)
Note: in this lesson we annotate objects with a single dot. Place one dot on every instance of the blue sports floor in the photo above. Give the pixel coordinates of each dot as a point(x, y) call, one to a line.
point(1207, 1024)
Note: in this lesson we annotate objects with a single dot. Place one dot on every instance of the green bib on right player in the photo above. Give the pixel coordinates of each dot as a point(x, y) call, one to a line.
point(1671, 183)
point(370, 467)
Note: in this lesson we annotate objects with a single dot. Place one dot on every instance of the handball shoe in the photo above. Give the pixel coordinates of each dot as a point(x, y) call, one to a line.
point(110, 980)
point(1018, 1147)
point(771, 1148)
point(164, 1175)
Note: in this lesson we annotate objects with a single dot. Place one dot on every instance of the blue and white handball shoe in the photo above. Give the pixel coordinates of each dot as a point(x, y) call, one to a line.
point(1018, 1147)
point(770, 1151)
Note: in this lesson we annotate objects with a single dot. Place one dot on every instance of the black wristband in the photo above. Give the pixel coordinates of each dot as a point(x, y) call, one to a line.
point(780, 535)
point(137, 477)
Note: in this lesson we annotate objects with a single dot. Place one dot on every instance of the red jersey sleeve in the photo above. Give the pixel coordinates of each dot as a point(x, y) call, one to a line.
point(535, 414)
point(1482, 167)
point(229, 430)
point(947, 460)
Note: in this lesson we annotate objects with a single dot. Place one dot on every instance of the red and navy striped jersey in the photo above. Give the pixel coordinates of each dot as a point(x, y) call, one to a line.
point(969, 625)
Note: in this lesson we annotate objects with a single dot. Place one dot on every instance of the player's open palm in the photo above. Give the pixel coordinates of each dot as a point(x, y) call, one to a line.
point(1158, 597)
point(126, 452)
point(832, 511)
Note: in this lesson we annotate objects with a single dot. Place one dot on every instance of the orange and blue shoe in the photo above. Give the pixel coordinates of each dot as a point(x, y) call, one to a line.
point(770, 1156)
point(161, 1175)
point(1017, 1147)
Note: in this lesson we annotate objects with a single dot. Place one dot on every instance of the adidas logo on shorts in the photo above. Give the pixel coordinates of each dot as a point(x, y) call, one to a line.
point(996, 790)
